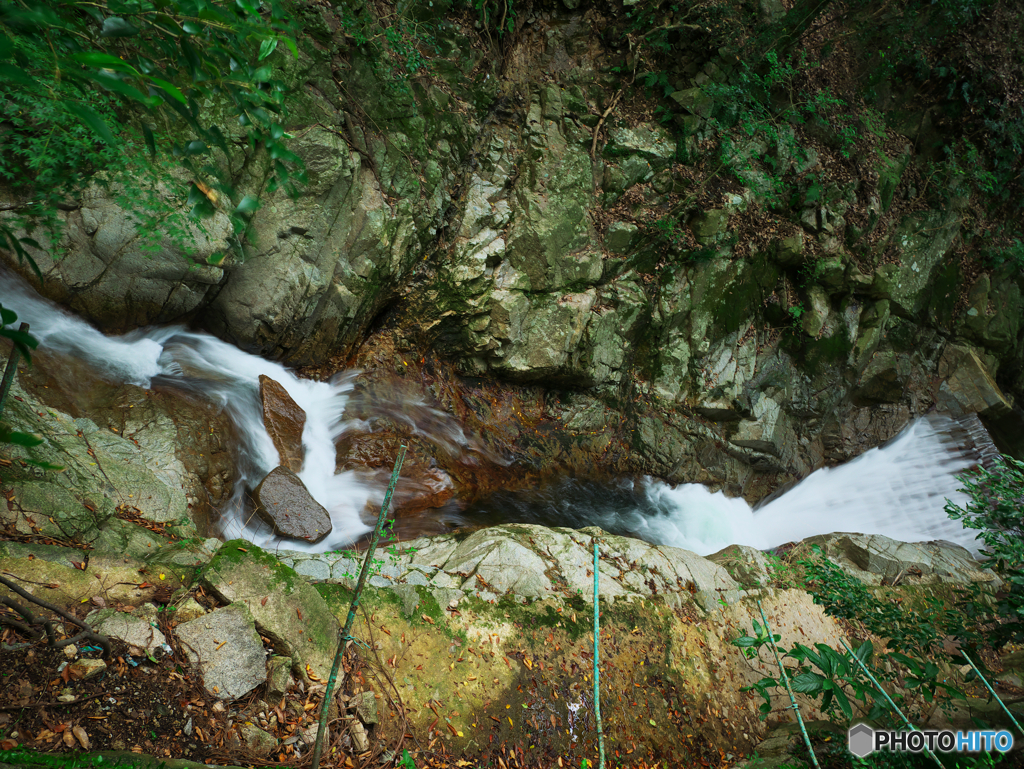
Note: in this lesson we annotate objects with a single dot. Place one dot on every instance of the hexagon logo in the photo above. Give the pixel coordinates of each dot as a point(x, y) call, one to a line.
point(861, 740)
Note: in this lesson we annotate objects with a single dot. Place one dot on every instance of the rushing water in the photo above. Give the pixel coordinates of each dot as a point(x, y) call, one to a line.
point(898, 490)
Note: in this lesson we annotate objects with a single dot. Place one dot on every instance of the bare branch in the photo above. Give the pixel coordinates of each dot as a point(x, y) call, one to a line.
point(87, 632)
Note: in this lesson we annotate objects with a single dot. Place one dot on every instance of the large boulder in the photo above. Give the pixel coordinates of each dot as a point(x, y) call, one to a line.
point(284, 420)
point(873, 558)
point(106, 480)
point(104, 269)
point(283, 501)
point(287, 609)
point(226, 648)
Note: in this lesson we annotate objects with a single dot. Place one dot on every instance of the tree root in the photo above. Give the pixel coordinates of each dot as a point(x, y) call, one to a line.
point(35, 627)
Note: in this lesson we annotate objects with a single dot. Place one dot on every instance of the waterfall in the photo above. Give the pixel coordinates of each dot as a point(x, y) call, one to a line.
point(898, 490)
point(175, 357)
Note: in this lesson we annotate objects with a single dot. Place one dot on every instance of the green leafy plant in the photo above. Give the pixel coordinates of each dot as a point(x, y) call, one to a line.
point(996, 510)
point(71, 71)
point(846, 597)
point(796, 312)
point(837, 672)
point(24, 343)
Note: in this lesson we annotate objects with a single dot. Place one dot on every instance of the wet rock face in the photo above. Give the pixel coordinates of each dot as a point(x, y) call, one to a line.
point(284, 420)
point(125, 452)
point(283, 501)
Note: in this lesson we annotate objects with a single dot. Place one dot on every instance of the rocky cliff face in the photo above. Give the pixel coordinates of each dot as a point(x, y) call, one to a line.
point(644, 313)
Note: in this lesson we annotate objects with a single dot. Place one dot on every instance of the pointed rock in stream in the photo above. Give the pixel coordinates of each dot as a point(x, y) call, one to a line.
point(283, 501)
point(284, 420)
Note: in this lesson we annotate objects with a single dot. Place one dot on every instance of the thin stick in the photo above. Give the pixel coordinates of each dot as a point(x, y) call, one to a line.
point(345, 636)
point(597, 670)
point(887, 697)
point(1014, 720)
point(785, 680)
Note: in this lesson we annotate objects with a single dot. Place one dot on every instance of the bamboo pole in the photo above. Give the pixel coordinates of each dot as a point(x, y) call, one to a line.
point(785, 680)
point(597, 670)
point(899, 712)
point(345, 635)
point(1008, 713)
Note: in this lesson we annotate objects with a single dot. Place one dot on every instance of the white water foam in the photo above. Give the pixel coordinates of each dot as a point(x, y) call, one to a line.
point(229, 377)
point(898, 490)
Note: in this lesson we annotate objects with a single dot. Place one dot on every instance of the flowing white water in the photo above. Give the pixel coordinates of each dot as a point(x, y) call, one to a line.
point(898, 490)
point(230, 378)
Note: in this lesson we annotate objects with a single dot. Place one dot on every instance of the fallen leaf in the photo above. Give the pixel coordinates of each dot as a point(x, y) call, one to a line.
point(298, 612)
point(69, 739)
point(427, 619)
point(263, 601)
point(528, 662)
point(82, 736)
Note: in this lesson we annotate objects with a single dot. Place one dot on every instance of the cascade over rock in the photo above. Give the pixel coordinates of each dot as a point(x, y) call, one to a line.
point(284, 421)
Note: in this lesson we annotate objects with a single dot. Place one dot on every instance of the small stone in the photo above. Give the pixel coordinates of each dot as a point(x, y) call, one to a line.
point(71, 651)
point(359, 738)
point(365, 704)
point(88, 668)
point(279, 677)
point(308, 735)
point(189, 611)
